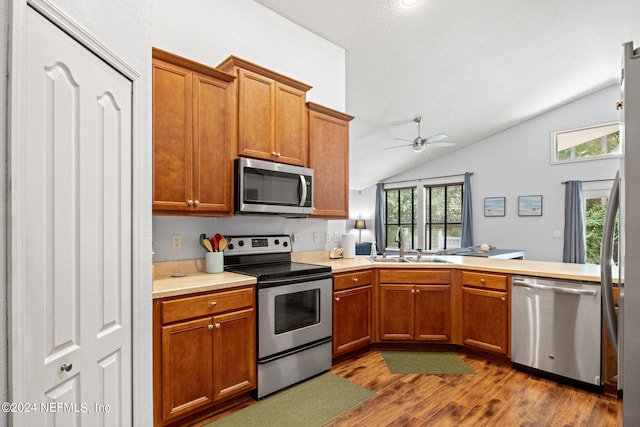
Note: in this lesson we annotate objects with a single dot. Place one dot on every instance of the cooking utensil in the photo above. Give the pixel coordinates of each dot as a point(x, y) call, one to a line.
point(203, 237)
point(207, 245)
point(222, 244)
point(216, 241)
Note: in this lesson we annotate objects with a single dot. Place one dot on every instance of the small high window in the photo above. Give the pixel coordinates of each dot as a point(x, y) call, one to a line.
point(586, 143)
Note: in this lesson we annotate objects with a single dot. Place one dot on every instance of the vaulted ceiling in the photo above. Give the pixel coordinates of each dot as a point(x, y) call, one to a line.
point(469, 68)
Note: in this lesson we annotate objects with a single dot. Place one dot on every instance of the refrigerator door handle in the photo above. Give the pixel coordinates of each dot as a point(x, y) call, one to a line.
point(606, 256)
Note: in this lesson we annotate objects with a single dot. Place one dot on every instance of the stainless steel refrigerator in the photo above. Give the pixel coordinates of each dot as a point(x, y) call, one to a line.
point(623, 325)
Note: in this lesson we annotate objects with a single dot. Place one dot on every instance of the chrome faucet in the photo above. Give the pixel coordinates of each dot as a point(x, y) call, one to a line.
point(400, 242)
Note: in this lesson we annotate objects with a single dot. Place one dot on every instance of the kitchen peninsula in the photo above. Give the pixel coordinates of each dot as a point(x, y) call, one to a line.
point(470, 296)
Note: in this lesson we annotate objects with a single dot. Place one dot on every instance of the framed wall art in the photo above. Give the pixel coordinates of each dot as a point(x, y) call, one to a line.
point(494, 206)
point(530, 205)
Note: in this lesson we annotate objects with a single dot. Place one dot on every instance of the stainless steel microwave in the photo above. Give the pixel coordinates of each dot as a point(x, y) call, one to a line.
point(272, 188)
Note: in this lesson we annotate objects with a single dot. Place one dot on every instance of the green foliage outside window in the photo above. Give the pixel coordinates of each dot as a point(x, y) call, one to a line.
point(596, 212)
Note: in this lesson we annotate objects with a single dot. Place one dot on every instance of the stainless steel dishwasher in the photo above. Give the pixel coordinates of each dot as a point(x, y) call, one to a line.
point(556, 327)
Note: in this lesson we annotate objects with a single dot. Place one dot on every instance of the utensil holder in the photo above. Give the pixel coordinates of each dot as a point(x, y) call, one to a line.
point(214, 262)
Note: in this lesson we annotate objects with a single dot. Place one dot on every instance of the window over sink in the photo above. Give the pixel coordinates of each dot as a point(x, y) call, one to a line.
point(430, 214)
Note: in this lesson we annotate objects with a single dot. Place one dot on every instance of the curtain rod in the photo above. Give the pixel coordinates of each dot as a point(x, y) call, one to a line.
point(590, 180)
point(424, 179)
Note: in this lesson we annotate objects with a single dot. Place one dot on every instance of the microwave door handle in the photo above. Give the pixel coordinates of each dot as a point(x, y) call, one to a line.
point(303, 184)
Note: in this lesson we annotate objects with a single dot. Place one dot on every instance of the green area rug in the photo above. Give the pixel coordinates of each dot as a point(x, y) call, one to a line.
point(312, 403)
point(425, 362)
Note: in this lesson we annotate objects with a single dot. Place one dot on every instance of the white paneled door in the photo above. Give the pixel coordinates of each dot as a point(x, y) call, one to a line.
point(78, 241)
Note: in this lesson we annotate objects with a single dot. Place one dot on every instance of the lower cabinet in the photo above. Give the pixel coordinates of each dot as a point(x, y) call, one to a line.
point(352, 305)
point(485, 312)
point(415, 305)
point(207, 352)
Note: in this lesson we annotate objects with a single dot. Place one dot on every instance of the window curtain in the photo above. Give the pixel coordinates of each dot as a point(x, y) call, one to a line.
point(574, 232)
point(467, 215)
point(379, 219)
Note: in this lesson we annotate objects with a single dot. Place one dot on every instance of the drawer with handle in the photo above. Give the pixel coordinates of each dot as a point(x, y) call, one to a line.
point(352, 280)
point(208, 304)
point(485, 280)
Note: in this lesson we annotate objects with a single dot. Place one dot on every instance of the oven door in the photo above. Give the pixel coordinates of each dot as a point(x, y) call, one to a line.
point(294, 315)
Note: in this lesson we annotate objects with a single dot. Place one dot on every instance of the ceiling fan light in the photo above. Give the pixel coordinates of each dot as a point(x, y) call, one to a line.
point(419, 148)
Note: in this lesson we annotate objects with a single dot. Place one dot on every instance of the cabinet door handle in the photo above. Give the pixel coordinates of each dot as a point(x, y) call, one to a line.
point(503, 299)
point(66, 367)
point(619, 105)
point(273, 153)
point(413, 291)
point(210, 327)
point(217, 325)
point(190, 202)
point(213, 303)
point(482, 281)
point(417, 291)
point(355, 279)
point(196, 203)
point(337, 298)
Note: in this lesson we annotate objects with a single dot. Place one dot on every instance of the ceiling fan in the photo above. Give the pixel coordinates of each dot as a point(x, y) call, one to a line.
point(420, 144)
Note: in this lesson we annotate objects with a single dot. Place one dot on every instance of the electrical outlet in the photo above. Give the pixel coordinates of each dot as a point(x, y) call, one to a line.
point(336, 236)
point(557, 234)
point(176, 242)
point(296, 237)
point(316, 237)
point(327, 237)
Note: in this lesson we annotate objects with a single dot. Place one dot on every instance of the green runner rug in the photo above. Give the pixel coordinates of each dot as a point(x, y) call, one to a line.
point(425, 362)
point(312, 403)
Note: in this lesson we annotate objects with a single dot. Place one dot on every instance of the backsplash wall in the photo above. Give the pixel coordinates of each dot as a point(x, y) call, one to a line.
point(302, 231)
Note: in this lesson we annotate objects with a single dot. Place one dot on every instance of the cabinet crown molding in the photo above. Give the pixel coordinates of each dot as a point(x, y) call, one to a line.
point(232, 62)
point(312, 106)
point(172, 58)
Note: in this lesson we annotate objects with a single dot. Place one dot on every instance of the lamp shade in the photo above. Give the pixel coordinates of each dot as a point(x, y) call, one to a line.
point(361, 224)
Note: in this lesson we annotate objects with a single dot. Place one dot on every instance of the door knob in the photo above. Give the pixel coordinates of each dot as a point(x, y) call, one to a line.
point(66, 367)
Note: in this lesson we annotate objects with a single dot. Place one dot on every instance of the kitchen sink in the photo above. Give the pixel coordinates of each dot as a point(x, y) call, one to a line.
point(412, 259)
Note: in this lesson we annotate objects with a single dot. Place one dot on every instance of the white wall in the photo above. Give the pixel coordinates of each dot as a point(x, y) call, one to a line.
point(516, 162)
point(208, 31)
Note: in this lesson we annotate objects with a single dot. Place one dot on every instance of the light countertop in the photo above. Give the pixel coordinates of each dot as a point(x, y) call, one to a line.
point(193, 278)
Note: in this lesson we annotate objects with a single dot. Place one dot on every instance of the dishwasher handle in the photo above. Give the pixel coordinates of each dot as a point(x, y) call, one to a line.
point(572, 291)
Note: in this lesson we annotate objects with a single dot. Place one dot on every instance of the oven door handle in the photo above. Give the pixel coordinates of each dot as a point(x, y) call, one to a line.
point(270, 283)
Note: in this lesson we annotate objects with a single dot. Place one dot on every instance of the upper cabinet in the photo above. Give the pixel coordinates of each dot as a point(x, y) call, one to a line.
point(271, 113)
point(192, 137)
point(329, 158)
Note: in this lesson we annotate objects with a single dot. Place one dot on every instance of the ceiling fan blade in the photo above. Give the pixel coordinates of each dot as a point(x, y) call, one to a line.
point(441, 143)
point(436, 137)
point(402, 139)
point(398, 146)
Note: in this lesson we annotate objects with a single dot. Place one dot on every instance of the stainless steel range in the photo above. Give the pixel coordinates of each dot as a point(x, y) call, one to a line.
point(294, 310)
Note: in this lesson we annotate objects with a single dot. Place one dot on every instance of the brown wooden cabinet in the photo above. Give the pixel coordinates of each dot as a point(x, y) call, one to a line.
point(192, 130)
point(204, 352)
point(415, 305)
point(329, 158)
point(485, 311)
point(352, 308)
point(271, 113)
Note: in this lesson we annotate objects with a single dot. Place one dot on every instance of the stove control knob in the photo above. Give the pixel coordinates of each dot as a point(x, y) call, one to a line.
point(285, 244)
point(241, 243)
point(277, 242)
point(230, 246)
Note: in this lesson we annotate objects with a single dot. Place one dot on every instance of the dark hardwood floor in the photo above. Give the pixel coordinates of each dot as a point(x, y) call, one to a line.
point(496, 396)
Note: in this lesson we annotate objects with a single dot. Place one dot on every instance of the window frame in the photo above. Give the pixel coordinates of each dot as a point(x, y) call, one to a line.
point(418, 238)
point(427, 189)
point(411, 226)
point(553, 143)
